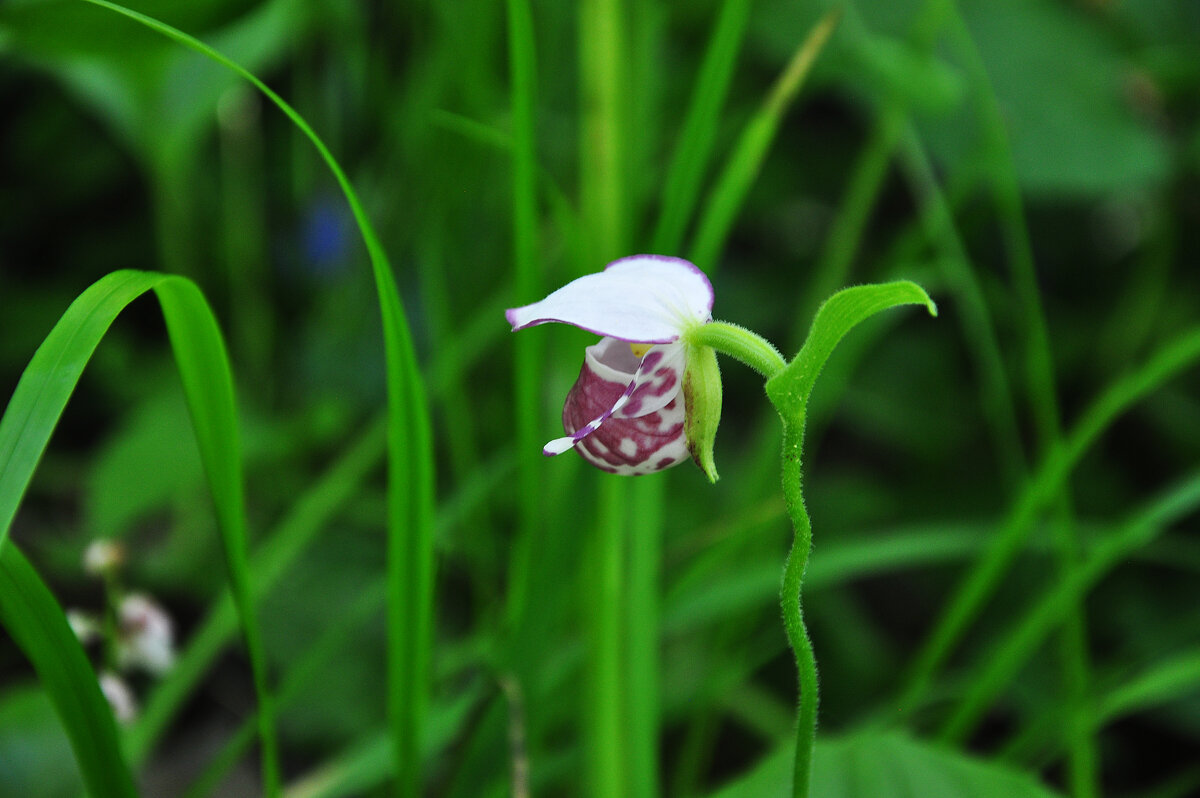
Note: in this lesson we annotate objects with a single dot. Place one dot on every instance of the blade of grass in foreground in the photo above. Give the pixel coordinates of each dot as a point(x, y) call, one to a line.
point(37, 625)
point(50, 379)
point(410, 461)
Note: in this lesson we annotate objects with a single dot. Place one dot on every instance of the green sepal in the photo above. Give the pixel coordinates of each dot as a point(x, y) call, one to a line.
point(702, 406)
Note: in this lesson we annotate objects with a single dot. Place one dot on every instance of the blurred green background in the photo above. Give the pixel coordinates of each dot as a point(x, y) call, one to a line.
point(902, 156)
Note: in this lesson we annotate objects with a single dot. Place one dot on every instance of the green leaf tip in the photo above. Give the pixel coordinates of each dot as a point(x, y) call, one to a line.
point(838, 315)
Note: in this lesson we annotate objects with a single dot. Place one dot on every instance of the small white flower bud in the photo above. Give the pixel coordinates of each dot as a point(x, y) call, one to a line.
point(147, 635)
point(119, 696)
point(103, 556)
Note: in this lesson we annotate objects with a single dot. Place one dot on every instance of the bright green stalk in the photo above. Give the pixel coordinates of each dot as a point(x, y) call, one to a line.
point(642, 624)
point(410, 461)
point(527, 284)
point(608, 756)
point(602, 144)
point(789, 390)
point(604, 601)
point(527, 351)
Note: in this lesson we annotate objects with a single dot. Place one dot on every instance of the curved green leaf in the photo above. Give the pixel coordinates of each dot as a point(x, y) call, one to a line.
point(35, 408)
point(789, 390)
point(840, 314)
point(410, 456)
point(37, 625)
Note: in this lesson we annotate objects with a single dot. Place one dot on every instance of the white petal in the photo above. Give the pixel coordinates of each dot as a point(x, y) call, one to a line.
point(642, 298)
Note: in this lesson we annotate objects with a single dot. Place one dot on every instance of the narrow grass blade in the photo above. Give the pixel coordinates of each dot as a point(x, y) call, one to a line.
point(527, 283)
point(979, 584)
point(410, 460)
point(699, 129)
point(727, 196)
point(1056, 605)
point(1165, 682)
point(208, 384)
point(37, 625)
point(49, 380)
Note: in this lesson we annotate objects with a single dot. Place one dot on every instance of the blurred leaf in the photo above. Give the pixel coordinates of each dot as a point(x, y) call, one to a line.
point(128, 479)
point(1060, 82)
point(156, 96)
point(895, 67)
point(727, 195)
point(886, 765)
point(33, 748)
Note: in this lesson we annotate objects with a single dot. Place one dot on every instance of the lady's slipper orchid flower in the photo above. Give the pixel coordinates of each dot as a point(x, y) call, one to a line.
point(646, 395)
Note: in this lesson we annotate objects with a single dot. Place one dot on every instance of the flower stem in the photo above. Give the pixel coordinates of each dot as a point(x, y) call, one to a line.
point(790, 598)
point(739, 343)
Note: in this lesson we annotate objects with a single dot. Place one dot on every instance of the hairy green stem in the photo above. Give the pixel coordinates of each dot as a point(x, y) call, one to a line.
point(741, 344)
point(790, 599)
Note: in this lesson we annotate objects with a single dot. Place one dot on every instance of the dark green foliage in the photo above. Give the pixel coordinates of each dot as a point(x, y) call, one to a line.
point(978, 484)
